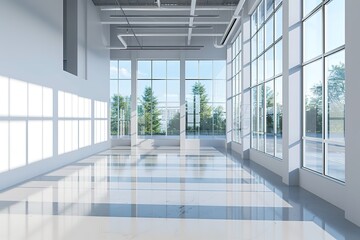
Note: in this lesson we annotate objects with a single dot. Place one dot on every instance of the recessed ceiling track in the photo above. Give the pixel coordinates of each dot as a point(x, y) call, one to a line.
point(172, 34)
point(162, 26)
point(164, 16)
point(144, 22)
point(157, 48)
point(228, 31)
point(167, 8)
point(235, 19)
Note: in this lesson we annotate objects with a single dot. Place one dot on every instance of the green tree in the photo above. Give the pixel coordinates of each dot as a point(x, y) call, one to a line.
point(200, 95)
point(336, 98)
point(336, 84)
point(149, 123)
point(174, 125)
point(269, 109)
point(219, 120)
point(120, 115)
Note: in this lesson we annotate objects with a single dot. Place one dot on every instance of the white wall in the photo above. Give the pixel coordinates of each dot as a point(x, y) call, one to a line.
point(31, 47)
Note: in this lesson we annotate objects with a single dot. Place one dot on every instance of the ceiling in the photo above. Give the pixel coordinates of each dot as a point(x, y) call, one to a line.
point(138, 24)
point(165, 2)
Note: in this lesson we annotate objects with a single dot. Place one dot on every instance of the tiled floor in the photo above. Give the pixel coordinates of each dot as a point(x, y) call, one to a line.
point(167, 194)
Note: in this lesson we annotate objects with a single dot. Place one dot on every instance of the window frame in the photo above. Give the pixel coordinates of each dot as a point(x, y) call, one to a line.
point(277, 6)
point(324, 54)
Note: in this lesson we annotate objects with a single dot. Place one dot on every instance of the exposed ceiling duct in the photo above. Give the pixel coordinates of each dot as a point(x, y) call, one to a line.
point(234, 21)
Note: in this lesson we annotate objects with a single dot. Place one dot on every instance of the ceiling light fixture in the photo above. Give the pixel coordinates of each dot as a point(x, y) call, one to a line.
point(163, 26)
point(164, 16)
point(157, 48)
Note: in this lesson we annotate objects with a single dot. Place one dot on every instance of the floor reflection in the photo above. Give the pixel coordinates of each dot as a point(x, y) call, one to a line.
point(189, 190)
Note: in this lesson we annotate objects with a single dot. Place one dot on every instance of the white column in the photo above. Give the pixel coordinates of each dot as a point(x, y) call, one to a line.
point(229, 107)
point(55, 123)
point(352, 113)
point(133, 122)
point(182, 103)
point(245, 85)
point(292, 91)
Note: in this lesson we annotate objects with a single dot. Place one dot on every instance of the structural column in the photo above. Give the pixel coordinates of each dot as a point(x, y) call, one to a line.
point(229, 107)
point(133, 121)
point(292, 91)
point(182, 102)
point(352, 114)
point(245, 85)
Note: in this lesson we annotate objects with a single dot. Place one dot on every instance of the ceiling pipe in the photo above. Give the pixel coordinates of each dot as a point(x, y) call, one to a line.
point(235, 19)
point(123, 42)
point(158, 48)
point(168, 8)
point(126, 47)
point(165, 16)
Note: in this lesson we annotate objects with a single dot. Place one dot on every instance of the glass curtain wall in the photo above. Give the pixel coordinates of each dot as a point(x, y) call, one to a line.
point(266, 78)
point(324, 87)
point(236, 89)
point(158, 102)
point(205, 89)
point(120, 97)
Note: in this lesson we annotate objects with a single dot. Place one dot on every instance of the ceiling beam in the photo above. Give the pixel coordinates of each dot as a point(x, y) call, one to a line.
point(191, 16)
point(157, 48)
point(172, 35)
point(191, 21)
point(163, 27)
point(142, 8)
point(132, 23)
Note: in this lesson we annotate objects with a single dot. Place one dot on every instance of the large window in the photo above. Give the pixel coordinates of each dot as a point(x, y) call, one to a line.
point(324, 87)
point(236, 89)
point(158, 91)
point(205, 89)
point(266, 78)
point(120, 97)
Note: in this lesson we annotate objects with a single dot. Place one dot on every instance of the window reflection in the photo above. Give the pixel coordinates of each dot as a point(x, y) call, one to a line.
point(269, 32)
point(309, 5)
point(278, 23)
point(335, 165)
point(313, 91)
point(335, 70)
point(279, 116)
point(334, 24)
point(313, 158)
point(312, 36)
